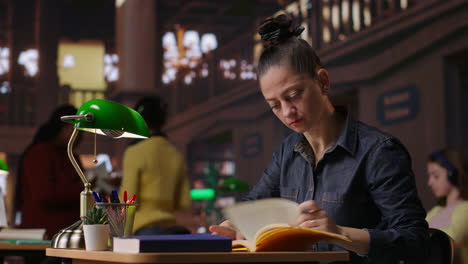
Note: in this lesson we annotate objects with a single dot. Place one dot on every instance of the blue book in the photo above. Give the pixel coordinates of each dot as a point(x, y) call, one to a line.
point(172, 243)
point(25, 241)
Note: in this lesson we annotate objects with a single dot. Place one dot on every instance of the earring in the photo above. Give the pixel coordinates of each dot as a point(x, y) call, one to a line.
point(324, 89)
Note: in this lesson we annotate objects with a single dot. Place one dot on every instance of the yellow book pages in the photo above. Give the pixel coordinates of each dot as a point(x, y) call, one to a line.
point(240, 246)
point(282, 237)
point(292, 238)
point(266, 230)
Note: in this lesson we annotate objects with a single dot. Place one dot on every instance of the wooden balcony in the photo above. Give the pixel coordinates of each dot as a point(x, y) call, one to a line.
point(336, 29)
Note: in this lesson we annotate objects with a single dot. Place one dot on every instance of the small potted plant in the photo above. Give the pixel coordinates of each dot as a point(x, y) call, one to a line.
point(96, 229)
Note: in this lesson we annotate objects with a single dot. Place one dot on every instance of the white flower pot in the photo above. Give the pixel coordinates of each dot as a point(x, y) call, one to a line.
point(96, 237)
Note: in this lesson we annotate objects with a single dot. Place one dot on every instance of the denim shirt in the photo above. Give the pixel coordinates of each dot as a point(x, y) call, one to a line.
point(363, 181)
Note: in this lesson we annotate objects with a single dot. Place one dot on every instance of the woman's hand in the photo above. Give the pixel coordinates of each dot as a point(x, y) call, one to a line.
point(226, 229)
point(315, 217)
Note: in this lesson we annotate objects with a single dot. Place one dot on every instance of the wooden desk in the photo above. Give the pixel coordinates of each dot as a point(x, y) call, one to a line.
point(79, 256)
point(32, 253)
point(23, 247)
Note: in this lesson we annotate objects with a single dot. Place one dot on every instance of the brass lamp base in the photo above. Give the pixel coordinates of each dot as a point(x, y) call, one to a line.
point(70, 237)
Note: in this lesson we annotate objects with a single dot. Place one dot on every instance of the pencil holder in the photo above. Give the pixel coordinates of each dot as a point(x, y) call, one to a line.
point(120, 217)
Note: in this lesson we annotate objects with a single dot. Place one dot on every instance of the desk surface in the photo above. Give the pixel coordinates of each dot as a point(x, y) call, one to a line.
point(7, 246)
point(32, 253)
point(83, 257)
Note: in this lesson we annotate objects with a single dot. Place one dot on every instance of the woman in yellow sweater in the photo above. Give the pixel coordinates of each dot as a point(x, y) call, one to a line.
point(448, 180)
point(155, 171)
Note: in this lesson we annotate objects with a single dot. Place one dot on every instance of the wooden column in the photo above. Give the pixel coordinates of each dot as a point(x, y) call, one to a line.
point(138, 47)
point(47, 35)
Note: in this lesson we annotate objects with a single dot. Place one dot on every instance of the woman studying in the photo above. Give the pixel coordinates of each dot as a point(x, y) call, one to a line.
point(447, 170)
point(349, 178)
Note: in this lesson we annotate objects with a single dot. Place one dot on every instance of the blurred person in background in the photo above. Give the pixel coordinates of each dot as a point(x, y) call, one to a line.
point(48, 187)
point(448, 179)
point(155, 171)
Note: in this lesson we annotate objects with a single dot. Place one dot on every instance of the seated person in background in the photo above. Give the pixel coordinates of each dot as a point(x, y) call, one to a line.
point(48, 188)
point(154, 170)
point(448, 179)
point(349, 178)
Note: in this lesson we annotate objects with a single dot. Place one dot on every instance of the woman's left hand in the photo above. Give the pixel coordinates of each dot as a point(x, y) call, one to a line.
point(315, 217)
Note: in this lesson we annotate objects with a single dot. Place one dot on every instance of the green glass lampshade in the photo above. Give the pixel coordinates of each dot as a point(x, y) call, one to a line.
point(111, 119)
point(3, 166)
point(202, 194)
point(233, 185)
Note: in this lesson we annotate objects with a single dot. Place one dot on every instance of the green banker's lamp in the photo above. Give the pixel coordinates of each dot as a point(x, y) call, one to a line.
point(3, 177)
point(233, 185)
point(104, 118)
point(202, 194)
point(3, 167)
point(230, 185)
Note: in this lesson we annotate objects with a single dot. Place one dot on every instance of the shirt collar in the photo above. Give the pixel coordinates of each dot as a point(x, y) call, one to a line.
point(347, 139)
point(348, 136)
point(304, 149)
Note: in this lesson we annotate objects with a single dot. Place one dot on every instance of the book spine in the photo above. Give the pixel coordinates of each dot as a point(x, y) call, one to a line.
point(185, 246)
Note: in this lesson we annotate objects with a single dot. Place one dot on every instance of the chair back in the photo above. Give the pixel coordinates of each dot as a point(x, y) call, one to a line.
point(441, 248)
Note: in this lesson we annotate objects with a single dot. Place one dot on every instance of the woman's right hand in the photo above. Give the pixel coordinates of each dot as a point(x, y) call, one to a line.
point(226, 229)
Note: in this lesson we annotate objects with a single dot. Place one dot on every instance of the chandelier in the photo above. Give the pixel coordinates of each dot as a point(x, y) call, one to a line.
point(183, 50)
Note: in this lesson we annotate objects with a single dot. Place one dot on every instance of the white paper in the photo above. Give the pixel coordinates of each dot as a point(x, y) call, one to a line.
point(3, 219)
point(250, 216)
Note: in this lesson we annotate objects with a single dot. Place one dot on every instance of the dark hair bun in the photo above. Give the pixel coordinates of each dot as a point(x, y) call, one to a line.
point(277, 29)
point(153, 109)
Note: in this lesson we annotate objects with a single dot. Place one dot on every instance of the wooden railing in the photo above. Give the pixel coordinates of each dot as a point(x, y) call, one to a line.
point(326, 21)
point(330, 21)
point(17, 107)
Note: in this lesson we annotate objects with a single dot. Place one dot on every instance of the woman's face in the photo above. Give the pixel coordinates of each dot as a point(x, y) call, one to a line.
point(438, 180)
point(297, 100)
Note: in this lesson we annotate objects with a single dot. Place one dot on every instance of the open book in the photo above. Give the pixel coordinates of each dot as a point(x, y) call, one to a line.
point(268, 225)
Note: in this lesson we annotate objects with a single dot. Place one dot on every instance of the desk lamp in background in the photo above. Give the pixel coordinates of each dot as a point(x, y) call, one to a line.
point(104, 118)
point(233, 185)
point(3, 167)
point(206, 199)
point(3, 175)
point(209, 197)
point(3, 178)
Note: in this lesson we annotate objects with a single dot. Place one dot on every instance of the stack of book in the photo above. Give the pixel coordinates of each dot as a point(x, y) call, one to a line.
point(172, 243)
point(23, 236)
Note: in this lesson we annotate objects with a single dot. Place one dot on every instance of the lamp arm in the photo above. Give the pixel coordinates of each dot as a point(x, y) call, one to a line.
point(88, 117)
point(71, 143)
point(86, 197)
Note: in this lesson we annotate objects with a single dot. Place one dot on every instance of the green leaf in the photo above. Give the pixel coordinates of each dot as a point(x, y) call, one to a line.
point(95, 216)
